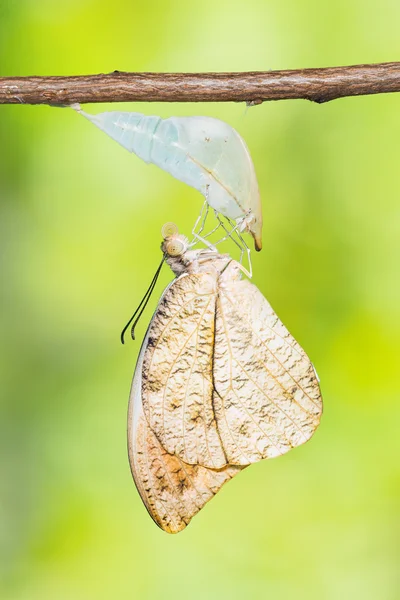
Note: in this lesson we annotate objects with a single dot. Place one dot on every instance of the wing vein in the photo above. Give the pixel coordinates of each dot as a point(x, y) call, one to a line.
point(174, 363)
point(173, 487)
point(222, 405)
point(170, 320)
point(261, 390)
point(278, 361)
point(148, 469)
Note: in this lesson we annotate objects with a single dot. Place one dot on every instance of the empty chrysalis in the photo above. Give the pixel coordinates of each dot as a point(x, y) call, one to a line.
point(206, 153)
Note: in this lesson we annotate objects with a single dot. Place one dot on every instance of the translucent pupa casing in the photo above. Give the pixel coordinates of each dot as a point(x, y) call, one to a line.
point(203, 152)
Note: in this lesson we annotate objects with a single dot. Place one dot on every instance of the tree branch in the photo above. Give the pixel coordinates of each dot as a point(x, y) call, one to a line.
point(317, 85)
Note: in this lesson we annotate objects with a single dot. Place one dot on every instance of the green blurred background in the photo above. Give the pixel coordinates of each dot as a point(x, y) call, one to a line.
point(79, 234)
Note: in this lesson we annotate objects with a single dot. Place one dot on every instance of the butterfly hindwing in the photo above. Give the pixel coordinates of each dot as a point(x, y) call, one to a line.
point(172, 491)
point(267, 398)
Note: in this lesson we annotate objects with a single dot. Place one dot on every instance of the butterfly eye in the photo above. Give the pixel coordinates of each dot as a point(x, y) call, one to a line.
point(175, 247)
point(169, 230)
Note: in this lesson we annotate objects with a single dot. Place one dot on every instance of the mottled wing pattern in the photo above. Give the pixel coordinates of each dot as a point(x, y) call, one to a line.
point(172, 490)
point(177, 386)
point(267, 398)
point(220, 383)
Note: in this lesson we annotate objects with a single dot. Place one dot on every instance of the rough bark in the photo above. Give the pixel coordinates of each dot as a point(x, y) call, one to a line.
point(318, 85)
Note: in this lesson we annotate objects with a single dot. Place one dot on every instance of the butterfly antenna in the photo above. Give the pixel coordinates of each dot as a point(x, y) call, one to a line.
point(142, 305)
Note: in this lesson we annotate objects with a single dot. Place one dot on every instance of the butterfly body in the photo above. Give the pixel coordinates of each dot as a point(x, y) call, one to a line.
point(220, 383)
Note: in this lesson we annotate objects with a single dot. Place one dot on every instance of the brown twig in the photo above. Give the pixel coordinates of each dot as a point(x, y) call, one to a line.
point(317, 85)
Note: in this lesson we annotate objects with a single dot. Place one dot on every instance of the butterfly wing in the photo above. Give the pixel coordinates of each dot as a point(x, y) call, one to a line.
point(224, 382)
point(219, 380)
point(172, 491)
point(267, 398)
point(177, 379)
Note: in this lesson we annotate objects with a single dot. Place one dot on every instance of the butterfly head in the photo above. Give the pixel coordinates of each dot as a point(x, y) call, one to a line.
point(174, 247)
point(174, 244)
point(181, 258)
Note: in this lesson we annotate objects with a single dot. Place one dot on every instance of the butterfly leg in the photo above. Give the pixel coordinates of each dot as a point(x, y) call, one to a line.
point(243, 247)
point(196, 235)
point(203, 223)
point(198, 238)
point(229, 234)
point(207, 208)
point(249, 273)
point(202, 217)
point(218, 225)
point(241, 244)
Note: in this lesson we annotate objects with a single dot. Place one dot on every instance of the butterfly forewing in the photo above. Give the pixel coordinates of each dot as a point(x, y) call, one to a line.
point(177, 387)
point(224, 382)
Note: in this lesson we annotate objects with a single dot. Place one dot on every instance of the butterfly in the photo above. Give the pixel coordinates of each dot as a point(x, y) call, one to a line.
point(219, 384)
point(203, 152)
